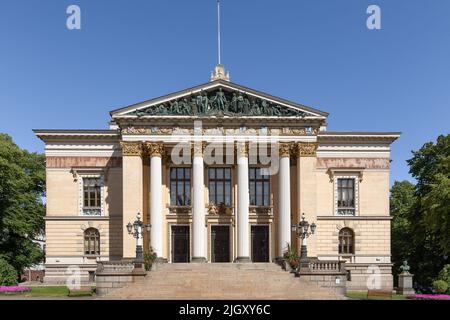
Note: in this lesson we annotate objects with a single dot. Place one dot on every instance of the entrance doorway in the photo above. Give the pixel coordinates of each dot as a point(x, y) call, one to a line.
point(220, 244)
point(260, 243)
point(180, 244)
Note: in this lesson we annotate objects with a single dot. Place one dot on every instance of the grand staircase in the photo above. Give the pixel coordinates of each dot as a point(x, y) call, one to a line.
point(222, 281)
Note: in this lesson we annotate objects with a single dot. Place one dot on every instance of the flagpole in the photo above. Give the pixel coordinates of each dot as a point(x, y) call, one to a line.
point(218, 31)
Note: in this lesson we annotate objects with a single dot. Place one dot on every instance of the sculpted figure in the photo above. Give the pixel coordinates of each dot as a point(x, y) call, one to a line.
point(277, 110)
point(404, 268)
point(240, 104)
point(265, 108)
point(162, 109)
point(205, 103)
point(185, 108)
point(234, 102)
point(255, 109)
point(220, 100)
point(174, 108)
point(194, 107)
point(246, 105)
point(199, 102)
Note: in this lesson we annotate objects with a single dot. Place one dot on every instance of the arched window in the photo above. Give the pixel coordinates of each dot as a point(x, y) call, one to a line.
point(91, 241)
point(346, 241)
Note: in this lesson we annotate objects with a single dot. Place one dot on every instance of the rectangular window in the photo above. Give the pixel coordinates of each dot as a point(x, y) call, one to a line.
point(180, 186)
point(219, 186)
point(259, 188)
point(346, 196)
point(92, 196)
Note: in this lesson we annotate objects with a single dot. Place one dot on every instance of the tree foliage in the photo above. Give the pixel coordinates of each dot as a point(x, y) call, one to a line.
point(22, 187)
point(8, 275)
point(421, 213)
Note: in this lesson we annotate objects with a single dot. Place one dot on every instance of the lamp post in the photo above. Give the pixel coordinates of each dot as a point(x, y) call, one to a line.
point(136, 230)
point(304, 230)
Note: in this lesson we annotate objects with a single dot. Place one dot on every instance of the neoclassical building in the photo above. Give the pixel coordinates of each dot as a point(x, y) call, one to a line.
point(220, 172)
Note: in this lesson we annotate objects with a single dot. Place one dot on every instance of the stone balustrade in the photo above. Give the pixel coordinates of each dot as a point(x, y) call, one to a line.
point(326, 266)
point(326, 273)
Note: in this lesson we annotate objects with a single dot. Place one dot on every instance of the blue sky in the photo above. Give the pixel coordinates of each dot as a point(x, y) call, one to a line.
point(316, 52)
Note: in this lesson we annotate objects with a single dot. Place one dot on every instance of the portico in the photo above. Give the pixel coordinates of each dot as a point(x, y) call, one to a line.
point(203, 217)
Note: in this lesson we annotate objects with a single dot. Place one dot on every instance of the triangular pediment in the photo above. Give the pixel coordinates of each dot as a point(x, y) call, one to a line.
point(220, 99)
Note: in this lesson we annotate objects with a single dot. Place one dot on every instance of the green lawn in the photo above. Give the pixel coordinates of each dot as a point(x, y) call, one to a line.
point(49, 291)
point(356, 295)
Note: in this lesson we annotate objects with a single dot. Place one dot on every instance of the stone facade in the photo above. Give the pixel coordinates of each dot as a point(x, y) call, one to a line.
point(133, 159)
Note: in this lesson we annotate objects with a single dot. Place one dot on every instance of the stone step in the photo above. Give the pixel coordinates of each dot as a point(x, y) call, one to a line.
point(222, 281)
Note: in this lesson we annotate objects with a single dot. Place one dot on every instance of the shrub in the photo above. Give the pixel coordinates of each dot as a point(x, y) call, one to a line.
point(149, 258)
point(8, 275)
point(444, 274)
point(290, 254)
point(441, 286)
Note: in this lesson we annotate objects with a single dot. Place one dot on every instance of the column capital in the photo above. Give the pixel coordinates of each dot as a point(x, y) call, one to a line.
point(241, 148)
point(197, 148)
point(154, 149)
point(131, 148)
point(307, 149)
point(285, 149)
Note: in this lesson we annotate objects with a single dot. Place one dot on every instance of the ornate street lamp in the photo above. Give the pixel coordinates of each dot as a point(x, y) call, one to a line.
point(304, 230)
point(136, 230)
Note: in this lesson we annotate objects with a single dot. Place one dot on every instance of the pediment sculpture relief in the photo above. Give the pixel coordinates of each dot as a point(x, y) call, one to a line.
point(219, 103)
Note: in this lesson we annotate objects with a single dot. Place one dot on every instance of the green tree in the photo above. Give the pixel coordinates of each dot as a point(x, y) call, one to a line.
point(421, 226)
point(402, 202)
point(22, 188)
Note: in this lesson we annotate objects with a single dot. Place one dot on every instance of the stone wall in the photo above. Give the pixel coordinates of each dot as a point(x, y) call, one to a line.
point(363, 276)
point(114, 275)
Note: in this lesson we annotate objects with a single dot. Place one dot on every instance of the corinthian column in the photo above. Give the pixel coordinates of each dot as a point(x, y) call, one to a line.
point(155, 151)
point(198, 205)
point(243, 247)
point(284, 198)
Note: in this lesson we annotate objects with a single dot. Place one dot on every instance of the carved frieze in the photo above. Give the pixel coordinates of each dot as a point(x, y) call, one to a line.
point(366, 163)
point(220, 209)
point(303, 131)
point(131, 148)
point(70, 162)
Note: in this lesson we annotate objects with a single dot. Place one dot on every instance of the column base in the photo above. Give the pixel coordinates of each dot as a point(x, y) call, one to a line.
point(199, 260)
point(160, 260)
point(279, 261)
point(242, 260)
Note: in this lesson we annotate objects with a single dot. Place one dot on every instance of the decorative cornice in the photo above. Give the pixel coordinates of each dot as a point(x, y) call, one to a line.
point(307, 149)
point(154, 149)
point(131, 148)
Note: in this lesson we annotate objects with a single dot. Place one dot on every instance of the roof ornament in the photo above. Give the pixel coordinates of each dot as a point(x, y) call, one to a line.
point(219, 71)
